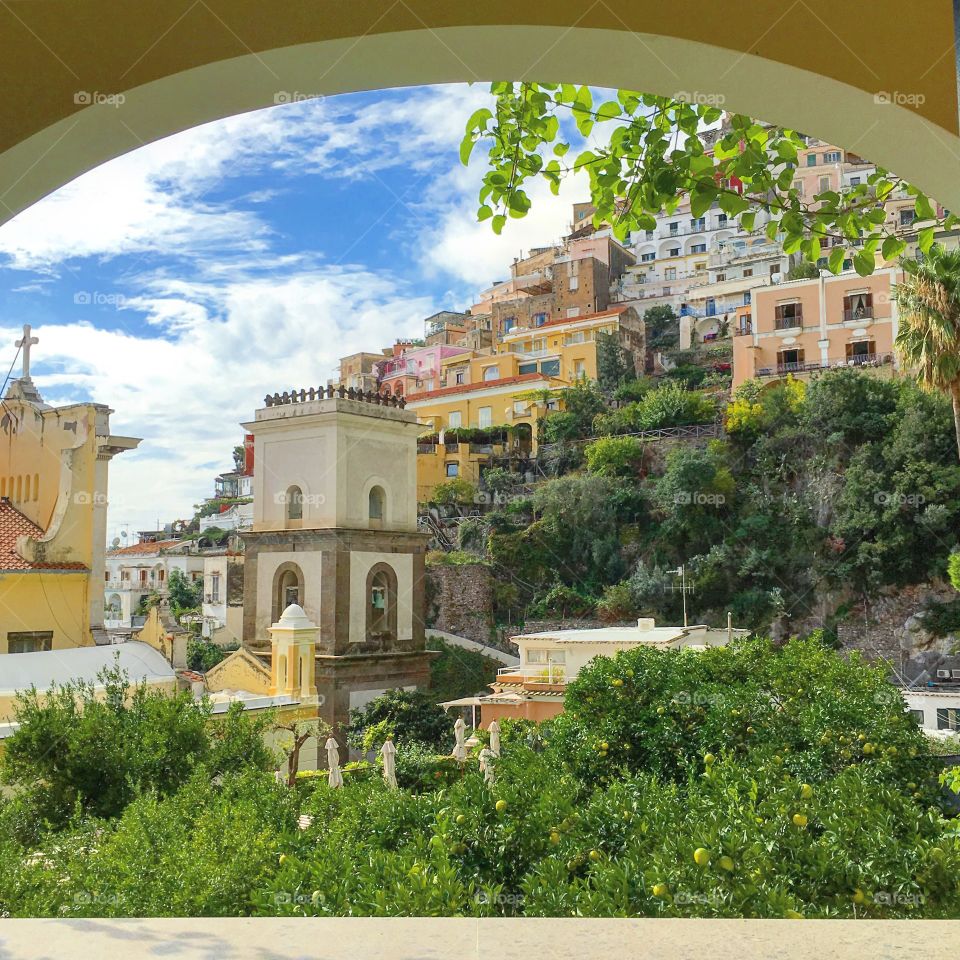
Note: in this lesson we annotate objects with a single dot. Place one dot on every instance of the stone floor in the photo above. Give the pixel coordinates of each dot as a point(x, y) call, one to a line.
point(426, 939)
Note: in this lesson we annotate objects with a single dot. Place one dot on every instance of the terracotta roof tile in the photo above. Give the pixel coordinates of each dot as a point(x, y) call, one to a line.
point(154, 546)
point(13, 525)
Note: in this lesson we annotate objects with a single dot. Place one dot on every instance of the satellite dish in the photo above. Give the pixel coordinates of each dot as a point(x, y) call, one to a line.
point(115, 543)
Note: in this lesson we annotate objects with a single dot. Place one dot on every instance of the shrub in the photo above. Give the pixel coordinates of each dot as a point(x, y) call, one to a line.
point(420, 768)
point(614, 456)
point(617, 603)
point(407, 715)
point(953, 570)
point(563, 602)
point(454, 491)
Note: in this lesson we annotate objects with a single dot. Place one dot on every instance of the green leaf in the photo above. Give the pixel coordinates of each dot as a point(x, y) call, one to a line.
point(811, 249)
point(498, 221)
point(892, 248)
point(560, 149)
point(836, 258)
point(484, 213)
point(748, 220)
point(466, 148)
point(608, 111)
point(925, 239)
point(478, 120)
point(701, 200)
point(864, 263)
point(924, 208)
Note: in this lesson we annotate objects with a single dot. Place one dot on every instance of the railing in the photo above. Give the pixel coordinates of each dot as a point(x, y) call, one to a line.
point(788, 323)
point(535, 673)
point(861, 313)
point(863, 360)
point(329, 393)
point(744, 330)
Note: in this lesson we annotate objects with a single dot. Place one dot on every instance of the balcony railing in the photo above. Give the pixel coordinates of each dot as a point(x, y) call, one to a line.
point(788, 323)
point(861, 360)
point(534, 673)
point(861, 313)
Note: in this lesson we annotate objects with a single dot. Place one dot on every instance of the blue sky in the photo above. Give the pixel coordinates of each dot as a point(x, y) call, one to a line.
point(180, 283)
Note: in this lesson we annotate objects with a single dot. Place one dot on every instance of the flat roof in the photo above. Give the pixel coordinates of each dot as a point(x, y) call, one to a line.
point(655, 636)
point(21, 671)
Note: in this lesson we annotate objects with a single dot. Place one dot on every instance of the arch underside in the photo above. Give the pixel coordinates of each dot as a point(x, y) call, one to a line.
point(897, 137)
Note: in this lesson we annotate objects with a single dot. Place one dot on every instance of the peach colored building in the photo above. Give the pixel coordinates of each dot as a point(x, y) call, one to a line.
point(804, 326)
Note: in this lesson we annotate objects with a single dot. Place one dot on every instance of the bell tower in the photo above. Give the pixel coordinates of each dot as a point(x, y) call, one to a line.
point(335, 534)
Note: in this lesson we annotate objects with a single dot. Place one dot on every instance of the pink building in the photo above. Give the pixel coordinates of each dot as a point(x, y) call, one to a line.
point(416, 369)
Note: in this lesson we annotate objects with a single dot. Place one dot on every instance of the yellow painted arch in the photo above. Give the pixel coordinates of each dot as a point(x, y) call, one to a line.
point(84, 83)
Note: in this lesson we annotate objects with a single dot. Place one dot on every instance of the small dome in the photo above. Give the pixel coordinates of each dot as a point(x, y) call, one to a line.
point(294, 618)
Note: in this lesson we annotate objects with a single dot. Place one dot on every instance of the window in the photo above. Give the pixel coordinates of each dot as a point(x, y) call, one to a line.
point(670, 273)
point(459, 376)
point(527, 368)
point(748, 272)
point(455, 419)
point(788, 315)
point(831, 156)
point(485, 417)
point(647, 257)
point(550, 368)
point(698, 223)
point(491, 373)
point(287, 588)
point(699, 267)
point(649, 234)
point(917, 715)
point(947, 718)
point(674, 229)
point(789, 360)
point(452, 468)
point(721, 277)
point(215, 588)
point(824, 184)
point(855, 182)
point(509, 323)
point(143, 578)
point(539, 655)
point(721, 220)
point(579, 369)
point(520, 408)
point(573, 311)
point(29, 641)
point(381, 604)
point(375, 503)
point(861, 351)
point(907, 216)
point(293, 501)
point(539, 319)
point(811, 159)
point(699, 248)
point(673, 252)
point(858, 306)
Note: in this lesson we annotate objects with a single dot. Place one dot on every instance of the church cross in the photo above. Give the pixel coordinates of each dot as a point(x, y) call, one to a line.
point(26, 343)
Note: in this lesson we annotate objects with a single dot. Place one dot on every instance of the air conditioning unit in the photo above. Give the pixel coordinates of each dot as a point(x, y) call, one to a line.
point(943, 674)
point(955, 674)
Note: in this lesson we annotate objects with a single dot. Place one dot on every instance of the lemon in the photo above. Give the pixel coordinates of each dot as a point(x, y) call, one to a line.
point(709, 759)
point(701, 856)
point(501, 806)
point(554, 837)
point(799, 820)
point(660, 890)
point(858, 896)
point(594, 855)
point(725, 863)
point(461, 819)
point(806, 791)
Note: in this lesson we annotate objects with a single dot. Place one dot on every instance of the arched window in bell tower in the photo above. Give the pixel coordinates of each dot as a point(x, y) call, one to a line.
point(287, 589)
point(381, 601)
point(293, 503)
point(375, 506)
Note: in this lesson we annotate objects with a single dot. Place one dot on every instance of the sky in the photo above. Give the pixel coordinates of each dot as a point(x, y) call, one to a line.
point(182, 282)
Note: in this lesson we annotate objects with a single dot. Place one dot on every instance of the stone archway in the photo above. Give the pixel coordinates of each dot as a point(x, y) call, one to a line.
point(288, 587)
point(107, 77)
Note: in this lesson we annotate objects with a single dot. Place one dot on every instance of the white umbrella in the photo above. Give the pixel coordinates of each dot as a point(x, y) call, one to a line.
point(459, 748)
point(494, 729)
point(487, 759)
point(389, 753)
point(334, 777)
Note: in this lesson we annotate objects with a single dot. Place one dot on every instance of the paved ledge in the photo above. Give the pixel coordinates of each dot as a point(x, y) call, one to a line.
point(466, 939)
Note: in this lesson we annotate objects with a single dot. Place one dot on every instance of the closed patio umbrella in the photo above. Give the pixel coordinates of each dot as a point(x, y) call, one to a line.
point(334, 777)
point(459, 747)
point(389, 753)
point(494, 729)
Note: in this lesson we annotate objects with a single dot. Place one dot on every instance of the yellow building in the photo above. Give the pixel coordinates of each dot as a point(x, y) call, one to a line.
point(505, 393)
point(53, 517)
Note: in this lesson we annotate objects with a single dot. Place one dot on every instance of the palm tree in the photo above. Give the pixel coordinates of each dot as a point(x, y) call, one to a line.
point(928, 339)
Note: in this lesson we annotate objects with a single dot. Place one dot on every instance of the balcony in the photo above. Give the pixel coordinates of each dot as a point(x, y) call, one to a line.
point(855, 316)
point(867, 360)
point(548, 674)
point(788, 323)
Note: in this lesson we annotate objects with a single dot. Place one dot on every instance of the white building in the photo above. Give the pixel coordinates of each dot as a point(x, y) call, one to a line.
point(135, 572)
point(936, 708)
point(223, 596)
